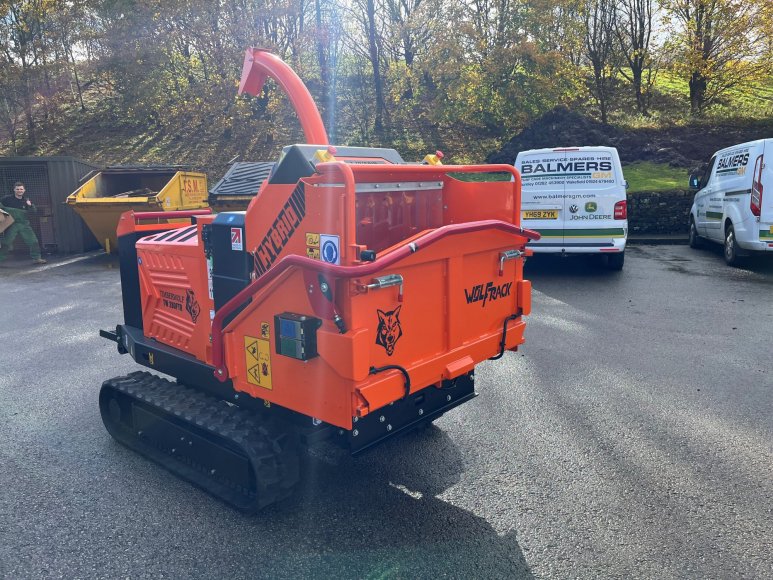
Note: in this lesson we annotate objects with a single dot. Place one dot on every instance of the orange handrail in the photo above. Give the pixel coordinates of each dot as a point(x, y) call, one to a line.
point(361, 270)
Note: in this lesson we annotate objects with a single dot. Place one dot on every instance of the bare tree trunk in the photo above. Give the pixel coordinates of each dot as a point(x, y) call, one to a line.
point(31, 137)
point(599, 45)
point(698, 86)
point(378, 84)
point(634, 31)
point(641, 105)
point(322, 37)
point(601, 92)
point(77, 80)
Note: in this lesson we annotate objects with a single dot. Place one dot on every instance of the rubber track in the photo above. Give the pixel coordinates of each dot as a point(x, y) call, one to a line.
point(271, 450)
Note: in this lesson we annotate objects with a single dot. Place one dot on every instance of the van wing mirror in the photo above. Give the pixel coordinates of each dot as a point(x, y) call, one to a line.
point(695, 181)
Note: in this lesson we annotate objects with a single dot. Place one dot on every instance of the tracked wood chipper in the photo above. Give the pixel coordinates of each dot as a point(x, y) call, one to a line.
point(351, 301)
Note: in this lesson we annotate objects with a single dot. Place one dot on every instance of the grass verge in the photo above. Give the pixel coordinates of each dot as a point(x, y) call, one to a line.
point(647, 176)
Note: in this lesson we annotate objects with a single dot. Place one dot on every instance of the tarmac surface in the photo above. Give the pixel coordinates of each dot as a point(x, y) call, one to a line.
point(631, 436)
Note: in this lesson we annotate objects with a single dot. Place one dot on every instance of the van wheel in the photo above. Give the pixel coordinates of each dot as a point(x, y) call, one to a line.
point(731, 247)
point(616, 261)
point(693, 237)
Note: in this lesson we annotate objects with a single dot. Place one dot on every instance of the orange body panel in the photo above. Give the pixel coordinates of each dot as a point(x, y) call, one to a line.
point(446, 316)
point(176, 304)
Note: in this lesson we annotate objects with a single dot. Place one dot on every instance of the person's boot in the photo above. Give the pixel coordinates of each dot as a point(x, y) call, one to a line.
point(39, 261)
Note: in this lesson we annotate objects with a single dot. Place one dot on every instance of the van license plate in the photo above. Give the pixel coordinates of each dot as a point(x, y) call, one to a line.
point(540, 214)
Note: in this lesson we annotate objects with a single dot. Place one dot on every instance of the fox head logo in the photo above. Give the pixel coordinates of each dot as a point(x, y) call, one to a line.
point(192, 305)
point(389, 329)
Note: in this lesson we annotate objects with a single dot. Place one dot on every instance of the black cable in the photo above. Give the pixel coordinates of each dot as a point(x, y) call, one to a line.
point(504, 337)
point(374, 370)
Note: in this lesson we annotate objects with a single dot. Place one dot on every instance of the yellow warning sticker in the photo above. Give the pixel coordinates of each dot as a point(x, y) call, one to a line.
point(257, 358)
point(312, 240)
point(312, 253)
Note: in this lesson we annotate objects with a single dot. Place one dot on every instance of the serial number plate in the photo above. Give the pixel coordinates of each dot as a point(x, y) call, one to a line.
point(540, 214)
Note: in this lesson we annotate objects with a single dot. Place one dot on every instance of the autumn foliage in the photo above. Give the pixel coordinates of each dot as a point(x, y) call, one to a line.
point(153, 80)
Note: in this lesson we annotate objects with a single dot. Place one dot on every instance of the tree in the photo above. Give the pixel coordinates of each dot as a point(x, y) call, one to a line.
point(10, 101)
point(22, 25)
point(600, 22)
point(719, 44)
point(633, 30)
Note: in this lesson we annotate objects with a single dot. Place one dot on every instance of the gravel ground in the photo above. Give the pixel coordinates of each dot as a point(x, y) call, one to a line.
point(632, 436)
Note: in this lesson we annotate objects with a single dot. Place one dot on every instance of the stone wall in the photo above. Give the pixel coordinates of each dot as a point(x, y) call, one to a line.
point(662, 212)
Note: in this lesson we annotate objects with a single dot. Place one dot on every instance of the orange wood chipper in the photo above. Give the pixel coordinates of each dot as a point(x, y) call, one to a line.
point(350, 302)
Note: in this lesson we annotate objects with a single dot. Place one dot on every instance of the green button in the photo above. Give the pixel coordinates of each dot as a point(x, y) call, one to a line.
point(290, 347)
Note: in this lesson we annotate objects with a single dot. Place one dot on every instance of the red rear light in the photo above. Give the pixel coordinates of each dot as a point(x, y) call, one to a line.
point(621, 210)
point(756, 200)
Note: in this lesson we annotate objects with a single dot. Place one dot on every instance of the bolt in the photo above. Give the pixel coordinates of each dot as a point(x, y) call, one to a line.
point(323, 287)
point(448, 397)
point(355, 433)
point(139, 433)
point(382, 418)
point(340, 431)
point(421, 412)
point(389, 427)
point(173, 450)
point(212, 472)
point(236, 396)
point(356, 419)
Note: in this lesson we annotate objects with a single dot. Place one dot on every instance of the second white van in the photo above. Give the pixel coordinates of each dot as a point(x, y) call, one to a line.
point(575, 198)
point(734, 202)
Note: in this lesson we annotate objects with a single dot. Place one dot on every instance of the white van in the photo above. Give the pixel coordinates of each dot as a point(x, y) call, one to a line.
point(730, 207)
point(575, 198)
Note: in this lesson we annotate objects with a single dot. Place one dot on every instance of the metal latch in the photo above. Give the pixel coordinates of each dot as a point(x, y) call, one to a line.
point(507, 255)
point(386, 282)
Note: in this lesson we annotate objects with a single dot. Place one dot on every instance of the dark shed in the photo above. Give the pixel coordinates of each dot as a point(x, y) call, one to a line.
point(49, 180)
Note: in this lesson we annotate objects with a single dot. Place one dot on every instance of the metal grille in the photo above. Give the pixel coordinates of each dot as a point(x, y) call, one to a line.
point(242, 178)
point(35, 179)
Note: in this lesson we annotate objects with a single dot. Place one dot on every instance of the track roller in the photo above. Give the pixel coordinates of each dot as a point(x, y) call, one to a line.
point(234, 454)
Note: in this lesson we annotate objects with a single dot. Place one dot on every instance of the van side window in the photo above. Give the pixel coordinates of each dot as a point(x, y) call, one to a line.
point(707, 174)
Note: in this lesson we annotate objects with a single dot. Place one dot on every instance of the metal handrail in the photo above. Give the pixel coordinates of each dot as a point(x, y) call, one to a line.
point(177, 214)
point(335, 271)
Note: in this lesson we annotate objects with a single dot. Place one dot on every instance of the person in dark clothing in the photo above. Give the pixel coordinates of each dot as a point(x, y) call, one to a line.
point(19, 206)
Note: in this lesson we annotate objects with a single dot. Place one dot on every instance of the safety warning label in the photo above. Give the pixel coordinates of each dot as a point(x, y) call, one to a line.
point(236, 239)
point(330, 248)
point(312, 245)
point(257, 358)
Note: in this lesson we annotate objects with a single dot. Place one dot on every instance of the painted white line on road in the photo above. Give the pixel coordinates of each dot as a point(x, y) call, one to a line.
point(89, 256)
